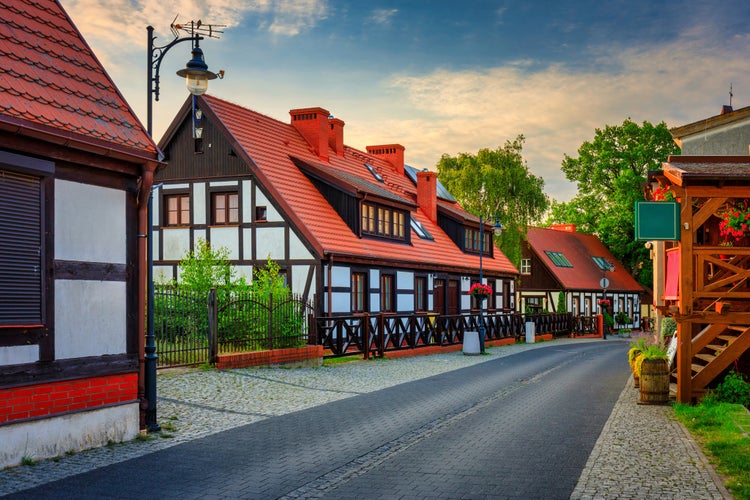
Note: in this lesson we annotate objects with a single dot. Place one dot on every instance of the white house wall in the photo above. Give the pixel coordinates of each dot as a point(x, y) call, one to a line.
point(90, 318)
point(175, 243)
point(297, 249)
point(271, 214)
point(269, 242)
point(226, 237)
point(93, 219)
point(199, 203)
point(19, 354)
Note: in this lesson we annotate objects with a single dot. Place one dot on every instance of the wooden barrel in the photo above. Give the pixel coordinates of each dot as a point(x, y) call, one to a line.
point(654, 382)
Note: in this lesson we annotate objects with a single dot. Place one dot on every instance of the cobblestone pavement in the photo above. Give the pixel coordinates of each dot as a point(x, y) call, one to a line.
point(193, 404)
point(644, 453)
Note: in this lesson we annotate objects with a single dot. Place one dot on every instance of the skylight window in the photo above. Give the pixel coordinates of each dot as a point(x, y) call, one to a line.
point(421, 231)
point(377, 176)
point(603, 263)
point(558, 259)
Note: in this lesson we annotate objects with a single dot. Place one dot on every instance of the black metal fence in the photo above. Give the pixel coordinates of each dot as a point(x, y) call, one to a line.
point(192, 328)
point(379, 333)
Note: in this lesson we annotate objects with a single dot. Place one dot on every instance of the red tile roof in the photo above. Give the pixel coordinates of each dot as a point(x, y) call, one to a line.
point(269, 146)
point(51, 82)
point(579, 249)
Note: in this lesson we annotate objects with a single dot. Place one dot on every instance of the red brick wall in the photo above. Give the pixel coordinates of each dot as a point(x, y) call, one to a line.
point(43, 400)
point(263, 358)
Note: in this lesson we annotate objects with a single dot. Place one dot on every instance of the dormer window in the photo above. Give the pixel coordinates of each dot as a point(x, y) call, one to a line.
point(473, 243)
point(383, 221)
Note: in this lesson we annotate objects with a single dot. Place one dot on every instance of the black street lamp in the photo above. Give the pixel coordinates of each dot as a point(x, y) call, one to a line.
point(196, 76)
point(604, 282)
point(497, 228)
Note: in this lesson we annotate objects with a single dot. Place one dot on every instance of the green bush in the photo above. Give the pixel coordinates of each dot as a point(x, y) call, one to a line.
point(623, 319)
point(668, 327)
point(733, 389)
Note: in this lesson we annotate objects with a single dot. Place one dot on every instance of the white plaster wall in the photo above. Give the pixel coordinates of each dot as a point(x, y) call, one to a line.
point(163, 274)
point(271, 214)
point(198, 234)
point(340, 277)
point(19, 354)
point(297, 249)
point(175, 243)
point(247, 203)
point(270, 241)
point(247, 249)
point(222, 183)
point(90, 318)
point(155, 206)
point(340, 302)
point(226, 237)
point(52, 437)
point(299, 279)
point(90, 222)
point(199, 203)
point(245, 272)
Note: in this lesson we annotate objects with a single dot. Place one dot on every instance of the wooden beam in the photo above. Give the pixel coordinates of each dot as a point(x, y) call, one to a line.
point(712, 370)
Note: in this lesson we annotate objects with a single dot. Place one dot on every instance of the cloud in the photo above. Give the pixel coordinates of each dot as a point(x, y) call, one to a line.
point(383, 16)
point(558, 107)
point(107, 23)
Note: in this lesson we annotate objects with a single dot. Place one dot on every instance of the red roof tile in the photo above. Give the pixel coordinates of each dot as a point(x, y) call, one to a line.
point(51, 80)
point(579, 249)
point(270, 146)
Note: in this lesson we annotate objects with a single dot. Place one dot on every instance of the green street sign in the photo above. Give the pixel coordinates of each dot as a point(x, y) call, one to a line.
point(657, 220)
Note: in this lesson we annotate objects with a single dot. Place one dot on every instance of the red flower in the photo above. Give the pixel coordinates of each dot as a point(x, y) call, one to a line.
point(480, 290)
point(733, 223)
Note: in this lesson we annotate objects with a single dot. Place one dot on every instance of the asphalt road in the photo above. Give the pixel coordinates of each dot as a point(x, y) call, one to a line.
point(521, 426)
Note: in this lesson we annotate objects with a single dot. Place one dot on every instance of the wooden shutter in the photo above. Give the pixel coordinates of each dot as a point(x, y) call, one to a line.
point(21, 249)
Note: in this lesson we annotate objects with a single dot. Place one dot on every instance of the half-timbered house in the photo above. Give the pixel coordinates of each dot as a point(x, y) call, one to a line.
point(356, 231)
point(74, 166)
point(560, 259)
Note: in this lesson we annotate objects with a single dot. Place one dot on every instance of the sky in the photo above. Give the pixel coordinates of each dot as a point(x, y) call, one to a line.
point(444, 77)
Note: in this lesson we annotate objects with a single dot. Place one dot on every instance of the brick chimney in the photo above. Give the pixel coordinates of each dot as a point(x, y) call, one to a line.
point(392, 153)
point(427, 193)
point(312, 124)
point(336, 135)
point(567, 228)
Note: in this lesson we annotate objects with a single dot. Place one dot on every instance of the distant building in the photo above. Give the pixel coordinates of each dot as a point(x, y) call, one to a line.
point(560, 259)
point(727, 133)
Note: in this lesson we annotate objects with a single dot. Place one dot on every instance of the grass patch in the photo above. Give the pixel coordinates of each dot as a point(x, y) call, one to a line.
point(27, 461)
point(715, 427)
point(341, 360)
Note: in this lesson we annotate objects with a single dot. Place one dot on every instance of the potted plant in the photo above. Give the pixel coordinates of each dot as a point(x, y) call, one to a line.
point(735, 221)
point(480, 291)
point(653, 373)
point(634, 353)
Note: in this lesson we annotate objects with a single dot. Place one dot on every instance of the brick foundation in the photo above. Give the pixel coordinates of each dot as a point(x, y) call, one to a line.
point(301, 355)
point(53, 398)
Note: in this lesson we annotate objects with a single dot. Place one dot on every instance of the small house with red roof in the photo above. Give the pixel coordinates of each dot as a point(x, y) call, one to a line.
point(560, 259)
point(355, 231)
point(76, 167)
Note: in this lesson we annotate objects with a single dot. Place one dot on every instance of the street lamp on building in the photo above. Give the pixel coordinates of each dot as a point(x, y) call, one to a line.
point(496, 229)
point(196, 76)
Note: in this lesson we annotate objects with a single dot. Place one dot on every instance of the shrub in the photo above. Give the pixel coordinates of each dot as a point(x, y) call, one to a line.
point(733, 389)
point(668, 327)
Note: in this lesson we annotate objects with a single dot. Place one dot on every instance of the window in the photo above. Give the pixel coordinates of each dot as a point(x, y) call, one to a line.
point(177, 209)
point(374, 173)
point(359, 292)
point(387, 299)
point(225, 208)
point(22, 249)
point(558, 259)
point(420, 294)
point(472, 241)
point(261, 214)
point(525, 266)
point(419, 228)
point(383, 221)
point(603, 263)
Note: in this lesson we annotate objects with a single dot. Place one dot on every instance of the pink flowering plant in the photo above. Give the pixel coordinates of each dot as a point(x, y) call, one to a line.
point(735, 221)
point(480, 290)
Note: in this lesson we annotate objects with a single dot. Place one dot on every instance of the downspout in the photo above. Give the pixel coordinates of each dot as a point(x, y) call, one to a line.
point(147, 181)
point(329, 292)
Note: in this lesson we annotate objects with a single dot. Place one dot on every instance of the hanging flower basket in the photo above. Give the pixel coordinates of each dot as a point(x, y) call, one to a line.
point(662, 193)
point(604, 303)
point(480, 291)
point(735, 222)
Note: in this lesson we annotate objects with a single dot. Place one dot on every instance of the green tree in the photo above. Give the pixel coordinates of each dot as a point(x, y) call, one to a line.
point(610, 172)
point(497, 183)
point(206, 268)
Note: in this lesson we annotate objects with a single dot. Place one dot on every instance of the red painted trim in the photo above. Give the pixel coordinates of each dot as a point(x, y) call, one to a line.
point(53, 398)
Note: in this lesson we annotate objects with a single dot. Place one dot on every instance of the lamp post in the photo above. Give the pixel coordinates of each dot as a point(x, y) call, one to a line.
point(604, 283)
point(196, 76)
point(497, 228)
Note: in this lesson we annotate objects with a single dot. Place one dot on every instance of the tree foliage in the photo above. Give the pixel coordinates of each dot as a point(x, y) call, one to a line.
point(497, 183)
point(610, 172)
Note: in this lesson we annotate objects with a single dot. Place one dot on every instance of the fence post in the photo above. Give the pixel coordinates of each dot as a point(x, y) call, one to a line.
point(213, 327)
point(365, 332)
point(270, 321)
